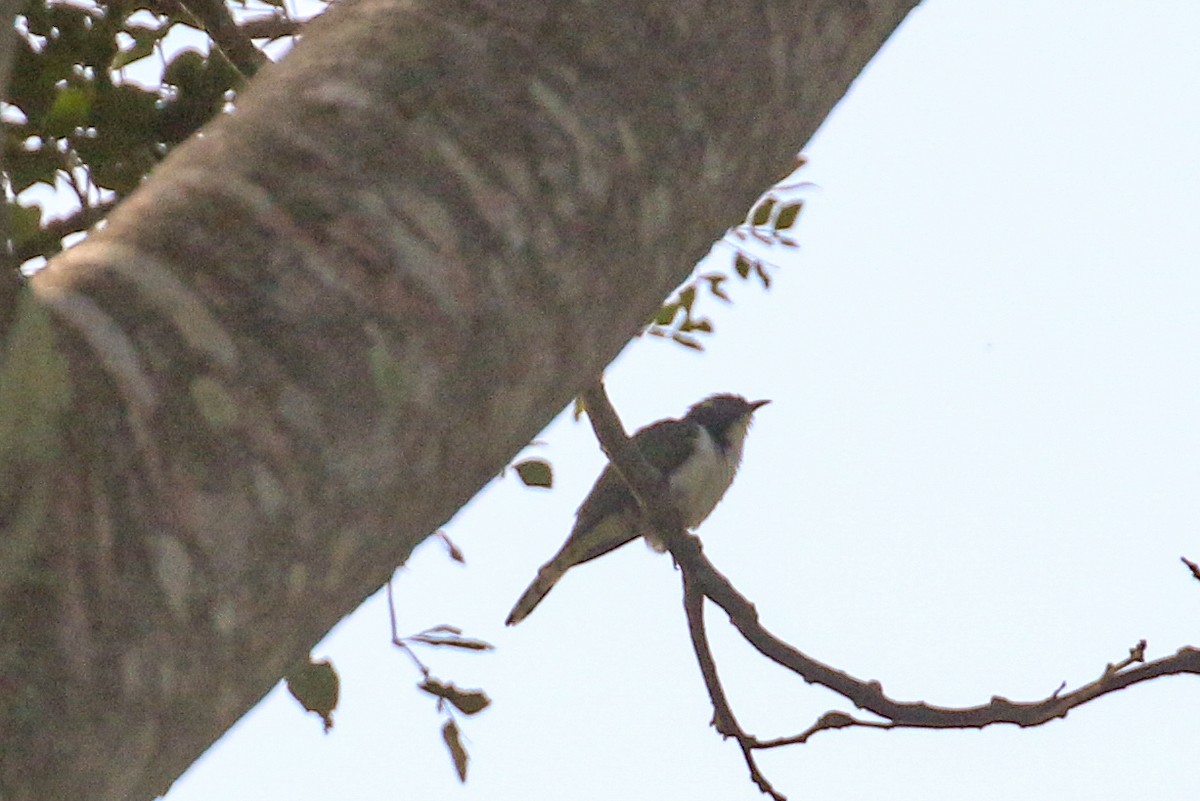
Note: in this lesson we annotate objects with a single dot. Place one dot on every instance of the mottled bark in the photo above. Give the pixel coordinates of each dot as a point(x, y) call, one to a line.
point(323, 325)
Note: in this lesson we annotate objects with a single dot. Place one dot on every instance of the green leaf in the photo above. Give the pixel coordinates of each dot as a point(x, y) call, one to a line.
point(762, 212)
point(71, 110)
point(315, 685)
point(787, 216)
point(535, 473)
point(743, 265)
point(687, 297)
point(666, 315)
point(455, 746)
point(687, 342)
point(24, 223)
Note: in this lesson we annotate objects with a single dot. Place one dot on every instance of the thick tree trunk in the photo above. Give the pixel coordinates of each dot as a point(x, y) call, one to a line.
point(324, 324)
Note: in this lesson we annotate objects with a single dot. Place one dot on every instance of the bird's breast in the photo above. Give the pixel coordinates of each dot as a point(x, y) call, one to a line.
point(701, 481)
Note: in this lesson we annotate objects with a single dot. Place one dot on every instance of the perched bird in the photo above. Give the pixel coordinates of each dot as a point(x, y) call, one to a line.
point(697, 456)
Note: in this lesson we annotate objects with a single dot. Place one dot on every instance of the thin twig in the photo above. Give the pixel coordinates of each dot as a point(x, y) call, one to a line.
point(723, 718)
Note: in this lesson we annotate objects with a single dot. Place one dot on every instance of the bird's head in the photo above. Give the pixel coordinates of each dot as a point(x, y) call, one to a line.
point(727, 417)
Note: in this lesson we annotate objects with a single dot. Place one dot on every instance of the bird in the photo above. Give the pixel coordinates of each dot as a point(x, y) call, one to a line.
point(697, 455)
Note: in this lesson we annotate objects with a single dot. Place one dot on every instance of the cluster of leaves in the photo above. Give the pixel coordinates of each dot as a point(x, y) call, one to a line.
point(450, 698)
point(315, 684)
point(73, 120)
point(767, 227)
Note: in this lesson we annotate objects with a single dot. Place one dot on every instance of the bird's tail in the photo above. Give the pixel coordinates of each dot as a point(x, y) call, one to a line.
point(547, 577)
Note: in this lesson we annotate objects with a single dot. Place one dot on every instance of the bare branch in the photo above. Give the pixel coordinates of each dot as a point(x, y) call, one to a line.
point(701, 580)
point(723, 718)
point(274, 27)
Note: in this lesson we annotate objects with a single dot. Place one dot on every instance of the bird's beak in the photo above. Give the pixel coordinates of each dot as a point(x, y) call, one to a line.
point(756, 405)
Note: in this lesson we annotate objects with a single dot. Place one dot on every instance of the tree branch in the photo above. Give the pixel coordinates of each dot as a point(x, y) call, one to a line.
point(723, 718)
point(216, 20)
point(701, 579)
point(273, 27)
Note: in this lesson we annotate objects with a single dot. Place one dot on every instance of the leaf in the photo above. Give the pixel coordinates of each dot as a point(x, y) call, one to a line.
point(762, 274)
point(687, 297)
point(144, 40)
point(71, 110)
point(455, 746)
point(714, 286)
point(787, 216)
point(743, 265)
point(535, 473)
point(24, 222)
point(453, 641)
point(469, 702)
point(687, 342)
point(315, 686)
point(666, 315)
point(761, 213)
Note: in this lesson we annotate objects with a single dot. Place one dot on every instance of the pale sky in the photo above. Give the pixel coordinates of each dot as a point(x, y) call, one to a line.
point(977, 476)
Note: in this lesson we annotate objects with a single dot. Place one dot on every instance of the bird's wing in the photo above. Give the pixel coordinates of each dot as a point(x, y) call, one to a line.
point(659, 443)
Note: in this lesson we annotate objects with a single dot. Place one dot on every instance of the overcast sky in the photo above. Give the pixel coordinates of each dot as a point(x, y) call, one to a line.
point(976, 479)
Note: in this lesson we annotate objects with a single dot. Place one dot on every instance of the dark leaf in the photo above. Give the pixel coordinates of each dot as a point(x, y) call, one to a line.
point(714, 286)
point(315, 686)
point(687, 297)
point(787, 216)
point(687, 342)
point(144, 40)
point(762, 274)
point(465, 643)
point(742, 265)
point(455, 746)
point(535, 473)
point(666, 315)
point(761, 213)
point(24, 223)
point(468, 702)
